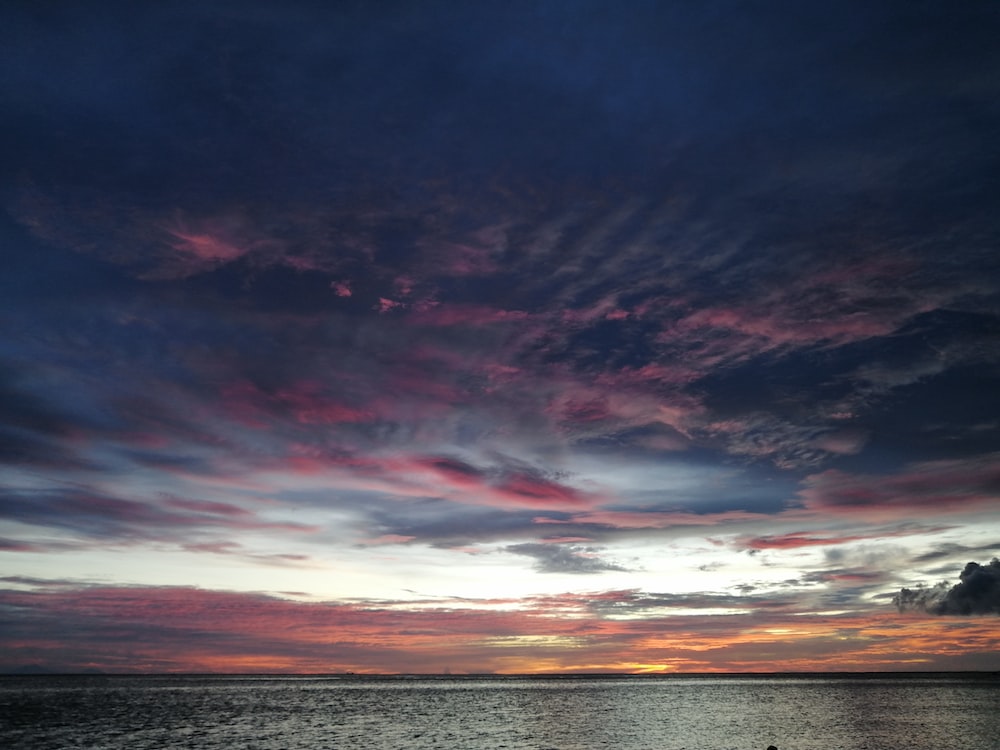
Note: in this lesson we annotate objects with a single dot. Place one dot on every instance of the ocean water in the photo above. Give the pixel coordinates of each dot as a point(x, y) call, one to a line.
point(904, 712)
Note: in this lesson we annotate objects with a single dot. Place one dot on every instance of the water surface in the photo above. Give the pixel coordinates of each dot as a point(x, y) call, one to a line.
point(898, 712)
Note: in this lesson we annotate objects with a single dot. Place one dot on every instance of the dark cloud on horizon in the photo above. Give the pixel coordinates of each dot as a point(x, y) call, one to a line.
point(977, 593)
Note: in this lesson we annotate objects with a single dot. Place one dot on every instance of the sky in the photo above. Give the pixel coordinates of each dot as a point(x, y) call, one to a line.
point(522, 337)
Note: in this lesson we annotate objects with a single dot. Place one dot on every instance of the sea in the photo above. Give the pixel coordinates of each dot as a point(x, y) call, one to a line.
point(733, 712)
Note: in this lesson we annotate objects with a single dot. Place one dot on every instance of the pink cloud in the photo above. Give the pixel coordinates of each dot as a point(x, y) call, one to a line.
point(341, 288)
point(300, 263)
point(17, 545)
point(565, 539)
point(594, 409)
point(832, 307)
point(771, 330)
point(619, 403)
point(798, 539)
point(601, 310)
point(534, 492)
point(842, 442)
point(203, 243)
point(388, 539)
point(650, 374)
point(497, 371)
point(928, 488)
point(404, 285)
point(206, 247)
point(501, 487)
point(457, 473)
point(447, 478)
point(304, 401)
point(465, 260)
point(467, 315)
point(309, 405)
point(200, 244)
point(309, 461)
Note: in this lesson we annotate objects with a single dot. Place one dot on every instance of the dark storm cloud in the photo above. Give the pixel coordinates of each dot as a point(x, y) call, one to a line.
point(977, 593)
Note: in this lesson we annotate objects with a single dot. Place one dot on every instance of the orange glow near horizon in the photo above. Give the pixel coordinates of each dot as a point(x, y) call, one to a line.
point(224, 632)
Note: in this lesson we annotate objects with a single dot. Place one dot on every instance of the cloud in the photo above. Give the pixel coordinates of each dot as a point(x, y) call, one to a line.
point(842, 442)
point(472, 316)
point(505, 483)
point(34, 428)
point(17, 545)
point(205, 245)
point(924, 488)
point(799, 539)
point(766, 436)
point(977, 593)
point(114, 519)
point(306, 402)
point(951, 550)
point(565, 558)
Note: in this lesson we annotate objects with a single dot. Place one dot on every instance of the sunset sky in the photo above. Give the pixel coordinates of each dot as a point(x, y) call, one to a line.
point(500, 336)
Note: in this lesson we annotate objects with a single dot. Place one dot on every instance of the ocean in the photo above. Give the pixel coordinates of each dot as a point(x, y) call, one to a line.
point(267, 712)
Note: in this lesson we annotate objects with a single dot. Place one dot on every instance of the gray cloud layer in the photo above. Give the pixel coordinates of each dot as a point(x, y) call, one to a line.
point(558, 558)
